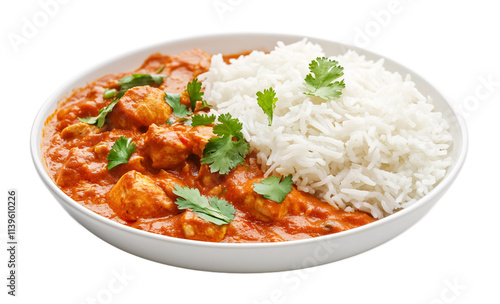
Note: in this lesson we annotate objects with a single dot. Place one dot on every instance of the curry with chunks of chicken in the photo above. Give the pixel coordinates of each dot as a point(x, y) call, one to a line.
point(142, 149)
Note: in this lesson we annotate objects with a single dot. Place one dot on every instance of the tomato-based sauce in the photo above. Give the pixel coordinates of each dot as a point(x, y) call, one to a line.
point(140, 193)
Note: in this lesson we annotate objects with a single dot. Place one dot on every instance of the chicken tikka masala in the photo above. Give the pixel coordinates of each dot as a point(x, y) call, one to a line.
point(141, 149)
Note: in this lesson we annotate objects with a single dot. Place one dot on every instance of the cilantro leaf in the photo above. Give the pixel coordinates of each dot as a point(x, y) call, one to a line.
point(137, 80)
point(204, 104)
point(187, 122)
point(127, 82)
point(101, 117)
point(202, 120)
point(109, 93)
point(213, 209)
point(120, 152)
point(229, 149)
point(325, 71)
point(228, 126)
point(267, 101)
point(174, 100)
point(274, 188)
point(194, 91)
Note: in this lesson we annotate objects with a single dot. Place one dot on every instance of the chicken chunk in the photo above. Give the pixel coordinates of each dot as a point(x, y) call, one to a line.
point(81, 164)
point(194, 59)
point(207, 179)
point(253, 203)
point(78, 130)
point(167, 181)
point(196, 228)
point(301, 203)
point(139, 107)
point(137, 196)
point(200, 135)
point(168, 146)
point(186, 65)
point(261, 208)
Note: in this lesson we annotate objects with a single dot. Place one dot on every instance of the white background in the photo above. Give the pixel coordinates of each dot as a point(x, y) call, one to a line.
point(451, 256)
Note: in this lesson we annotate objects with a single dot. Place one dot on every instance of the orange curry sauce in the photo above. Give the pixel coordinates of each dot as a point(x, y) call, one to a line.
point(140, 193)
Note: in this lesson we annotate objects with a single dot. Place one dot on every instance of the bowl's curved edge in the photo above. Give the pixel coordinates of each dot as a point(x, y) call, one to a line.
point(76, 210)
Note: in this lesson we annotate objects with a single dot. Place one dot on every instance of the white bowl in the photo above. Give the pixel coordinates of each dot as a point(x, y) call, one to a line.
point(254, 257)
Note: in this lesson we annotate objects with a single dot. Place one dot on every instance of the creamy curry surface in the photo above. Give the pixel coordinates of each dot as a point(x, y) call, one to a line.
point(140, 193)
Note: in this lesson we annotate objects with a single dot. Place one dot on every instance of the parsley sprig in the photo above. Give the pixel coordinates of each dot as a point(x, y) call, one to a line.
point(127, 82)
point(120, 152)
point(213, 209)
point(325, 71)
point(229, 149)
point(274, 188)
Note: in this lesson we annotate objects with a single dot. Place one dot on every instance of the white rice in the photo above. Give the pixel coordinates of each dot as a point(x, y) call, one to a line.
point(378, 148)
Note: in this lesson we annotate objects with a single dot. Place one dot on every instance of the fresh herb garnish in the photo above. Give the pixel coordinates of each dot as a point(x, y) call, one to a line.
point(267, 101)
point(137, 80)
point(120, 152)
point(174, 100)
point(101, 117)
point(186, 121)
point(127, 82)
point(202, 120)
point(160, 69)
point(229, 149)
point(325, 71)
point(213, 209)
point(274, 188)
point(204, 105)
point(194, 91)
point(109, 93)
